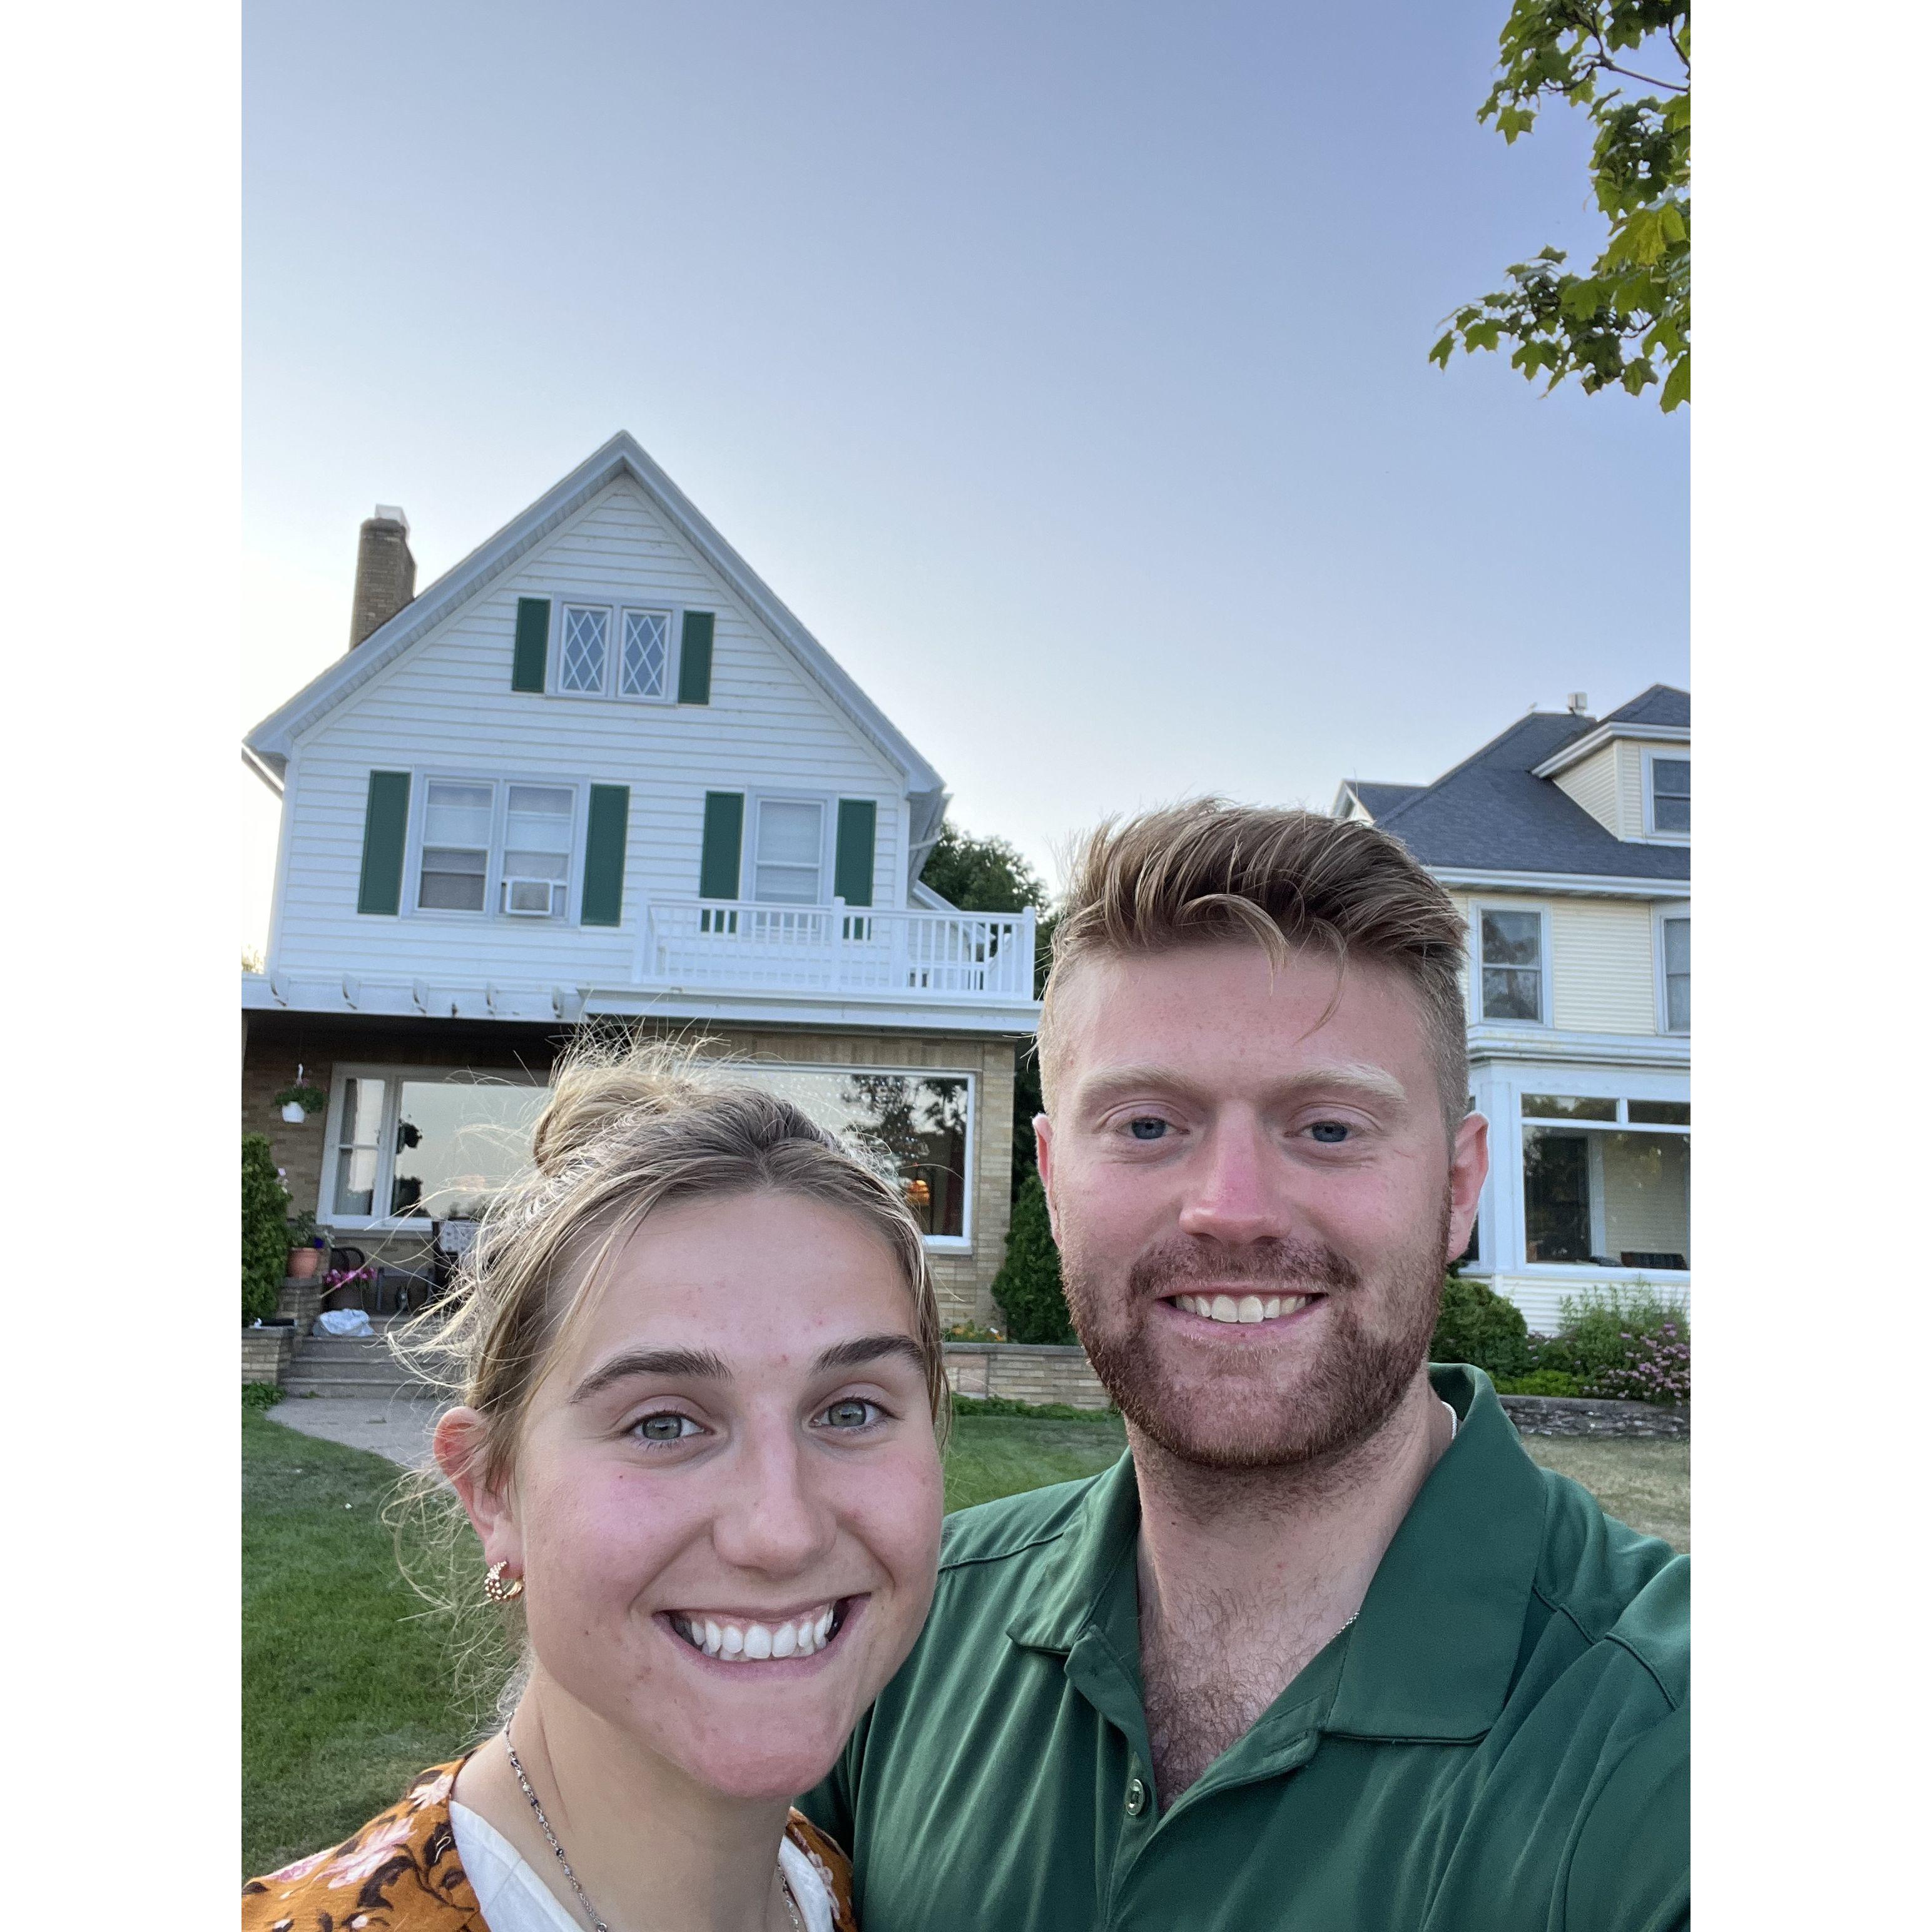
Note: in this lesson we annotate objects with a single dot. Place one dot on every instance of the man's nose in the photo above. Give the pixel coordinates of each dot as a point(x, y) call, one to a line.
point(1233, 1185)
point(772, 1518)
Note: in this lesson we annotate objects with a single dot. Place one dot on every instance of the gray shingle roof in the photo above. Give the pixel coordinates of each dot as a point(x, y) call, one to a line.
point(1381, 798)
point(1489, 814)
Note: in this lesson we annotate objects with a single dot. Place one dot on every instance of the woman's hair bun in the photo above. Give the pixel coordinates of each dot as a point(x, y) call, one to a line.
point(596, 1089)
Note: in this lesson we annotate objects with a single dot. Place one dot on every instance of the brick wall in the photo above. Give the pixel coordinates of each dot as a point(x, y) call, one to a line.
point(1024, 1372)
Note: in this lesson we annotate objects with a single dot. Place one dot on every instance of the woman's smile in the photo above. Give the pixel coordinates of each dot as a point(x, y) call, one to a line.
point(795, 1636)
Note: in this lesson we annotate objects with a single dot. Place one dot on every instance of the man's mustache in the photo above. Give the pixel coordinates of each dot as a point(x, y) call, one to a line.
point(1297, 1266)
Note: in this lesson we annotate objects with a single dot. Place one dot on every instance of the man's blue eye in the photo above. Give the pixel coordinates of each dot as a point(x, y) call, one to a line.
point(1147, 1129)
point(1329, 1132)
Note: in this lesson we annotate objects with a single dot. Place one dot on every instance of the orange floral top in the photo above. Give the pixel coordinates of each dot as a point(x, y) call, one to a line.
point(400, 1874)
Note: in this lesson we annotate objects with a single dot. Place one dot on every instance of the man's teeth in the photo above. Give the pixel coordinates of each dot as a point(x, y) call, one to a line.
point(1247, 1308)
point(736, 1642)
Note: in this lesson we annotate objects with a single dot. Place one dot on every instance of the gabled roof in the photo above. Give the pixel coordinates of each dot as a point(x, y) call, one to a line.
point(268, 745)
point(1378, 798)
point(1491, 813)
point(1661, 704)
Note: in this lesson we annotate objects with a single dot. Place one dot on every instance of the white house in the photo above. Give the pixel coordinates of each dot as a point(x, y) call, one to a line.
point(597, 772)
point(1566, 844)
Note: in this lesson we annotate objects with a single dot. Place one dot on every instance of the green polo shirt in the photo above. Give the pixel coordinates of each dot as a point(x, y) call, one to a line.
point(1499, 1743)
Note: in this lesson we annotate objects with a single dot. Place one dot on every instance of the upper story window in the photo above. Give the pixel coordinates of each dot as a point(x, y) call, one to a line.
point(1674, 946)
point(1511, 965)
point(607, 651)
point(504, 846)
point(1670, 795)
point(788, 852)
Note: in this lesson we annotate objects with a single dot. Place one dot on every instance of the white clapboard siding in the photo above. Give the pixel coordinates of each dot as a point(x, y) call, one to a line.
point(445, 706)
point(1602, 964)
point(1593, 784)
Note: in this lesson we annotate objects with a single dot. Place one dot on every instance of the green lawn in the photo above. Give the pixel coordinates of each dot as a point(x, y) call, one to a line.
point(344, 1684)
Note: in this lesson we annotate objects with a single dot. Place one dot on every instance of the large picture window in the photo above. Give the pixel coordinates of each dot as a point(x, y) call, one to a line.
point(915, 1128)
point(412, 1145)
point(1512, 967)
point(1607, 1182)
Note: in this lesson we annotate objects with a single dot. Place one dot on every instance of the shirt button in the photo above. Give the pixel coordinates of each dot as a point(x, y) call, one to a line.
point(1137, 1798)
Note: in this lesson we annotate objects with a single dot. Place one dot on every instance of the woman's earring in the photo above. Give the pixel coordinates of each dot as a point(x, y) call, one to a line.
point(496, 1590)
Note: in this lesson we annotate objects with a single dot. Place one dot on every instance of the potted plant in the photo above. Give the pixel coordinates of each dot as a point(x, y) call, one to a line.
point(299, 1101)
point(305, 1247)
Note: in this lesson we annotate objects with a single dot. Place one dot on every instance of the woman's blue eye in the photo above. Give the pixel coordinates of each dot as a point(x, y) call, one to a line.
point(1330, 1133)
point(852, 1413)
point(1147, 1128)
point(667, 1427)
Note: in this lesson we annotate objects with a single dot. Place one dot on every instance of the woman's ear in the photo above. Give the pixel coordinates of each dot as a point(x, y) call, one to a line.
point(459, 1446)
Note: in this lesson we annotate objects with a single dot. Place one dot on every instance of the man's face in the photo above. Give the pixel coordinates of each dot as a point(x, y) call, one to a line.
point(1255, 1195)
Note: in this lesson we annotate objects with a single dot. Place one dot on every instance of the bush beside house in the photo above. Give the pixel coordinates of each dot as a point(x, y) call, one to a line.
point(1619, 1344)
point(265, 1229)
point(1028, 1285)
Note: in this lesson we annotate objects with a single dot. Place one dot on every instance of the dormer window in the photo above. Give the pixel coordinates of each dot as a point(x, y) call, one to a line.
point(607, 651)
point(1670, 795)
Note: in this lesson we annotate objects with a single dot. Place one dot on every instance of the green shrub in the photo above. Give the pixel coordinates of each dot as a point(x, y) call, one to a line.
point(260, 1395)
point(1540, 1382)
point(1631, 1344)
point(265, 1231)
point(1478, 1326)
point(1044, 1411)
point(1028, 1285)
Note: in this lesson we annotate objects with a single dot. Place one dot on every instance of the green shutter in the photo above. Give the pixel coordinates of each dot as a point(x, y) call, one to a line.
point(694, 666)
point(604, 844)
point(852, 869)
point(386, 826)
point(526, 671)
point(723, 842)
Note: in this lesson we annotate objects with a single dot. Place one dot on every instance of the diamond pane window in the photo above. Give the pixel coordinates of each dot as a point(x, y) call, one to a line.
point(586, 636)
point(647, 653)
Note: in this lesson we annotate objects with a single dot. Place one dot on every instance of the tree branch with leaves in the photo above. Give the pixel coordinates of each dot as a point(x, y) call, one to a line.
point(1626, 322)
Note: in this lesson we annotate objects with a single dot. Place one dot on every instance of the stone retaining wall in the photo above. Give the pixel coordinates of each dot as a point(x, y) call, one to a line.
point(265, 1353)
point(1586, 1415)
point(1024, 1372)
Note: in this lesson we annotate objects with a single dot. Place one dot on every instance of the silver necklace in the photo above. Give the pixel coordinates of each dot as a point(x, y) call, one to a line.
point(590, 1911)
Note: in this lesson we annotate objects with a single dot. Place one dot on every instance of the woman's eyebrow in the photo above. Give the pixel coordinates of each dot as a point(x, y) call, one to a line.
point(856, 1353)
point(689, 1364)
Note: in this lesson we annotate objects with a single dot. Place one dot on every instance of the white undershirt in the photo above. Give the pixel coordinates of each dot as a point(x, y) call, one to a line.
point(514, 1899)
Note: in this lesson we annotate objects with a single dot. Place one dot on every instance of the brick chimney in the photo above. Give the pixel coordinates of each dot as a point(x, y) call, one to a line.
point(386, 572)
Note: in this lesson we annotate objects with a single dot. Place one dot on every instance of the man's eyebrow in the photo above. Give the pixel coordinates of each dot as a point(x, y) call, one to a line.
point(865, 1349)
point(699, 1364)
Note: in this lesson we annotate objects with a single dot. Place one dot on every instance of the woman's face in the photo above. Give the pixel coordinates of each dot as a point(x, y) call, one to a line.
point(726, 1503)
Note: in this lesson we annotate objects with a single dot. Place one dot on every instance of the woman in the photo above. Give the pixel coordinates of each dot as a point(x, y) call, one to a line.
point(698, 1440)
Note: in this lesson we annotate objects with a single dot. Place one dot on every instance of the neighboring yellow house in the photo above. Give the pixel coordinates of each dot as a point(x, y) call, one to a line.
point(1566, 843)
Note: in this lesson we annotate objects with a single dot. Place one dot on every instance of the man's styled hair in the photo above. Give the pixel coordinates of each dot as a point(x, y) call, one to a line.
point(1293, 881)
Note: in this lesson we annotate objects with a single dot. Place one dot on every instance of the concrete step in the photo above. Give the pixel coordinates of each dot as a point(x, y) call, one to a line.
point(354, 1387)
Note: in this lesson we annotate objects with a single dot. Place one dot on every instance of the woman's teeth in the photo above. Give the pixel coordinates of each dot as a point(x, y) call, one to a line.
point(735, 1640)
point(1246, 1308)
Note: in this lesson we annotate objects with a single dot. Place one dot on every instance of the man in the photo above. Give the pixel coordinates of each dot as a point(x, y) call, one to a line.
point(1326, 1650)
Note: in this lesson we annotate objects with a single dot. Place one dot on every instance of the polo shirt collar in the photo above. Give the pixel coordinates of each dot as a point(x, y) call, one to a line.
point(1433, 1651)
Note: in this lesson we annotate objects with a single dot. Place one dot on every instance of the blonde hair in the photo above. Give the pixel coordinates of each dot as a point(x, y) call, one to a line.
point(630, 1127)
point(1206, 870)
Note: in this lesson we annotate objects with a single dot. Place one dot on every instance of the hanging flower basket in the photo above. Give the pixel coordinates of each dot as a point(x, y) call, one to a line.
point(298, 1101)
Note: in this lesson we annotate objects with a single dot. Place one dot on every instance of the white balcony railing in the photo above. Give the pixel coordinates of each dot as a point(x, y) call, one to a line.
point(740, 946)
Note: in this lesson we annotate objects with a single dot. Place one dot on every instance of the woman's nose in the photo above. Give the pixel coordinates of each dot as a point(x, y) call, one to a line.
point(772, 1519)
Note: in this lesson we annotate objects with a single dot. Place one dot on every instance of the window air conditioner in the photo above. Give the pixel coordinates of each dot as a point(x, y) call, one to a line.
point(529, 899)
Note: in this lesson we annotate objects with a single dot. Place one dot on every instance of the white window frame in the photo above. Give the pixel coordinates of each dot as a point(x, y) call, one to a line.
point(1579, 1271)
point(340, 1076)
point(953, 1244)
point(828, 845)
point(1667, 910)
point(1478, 1017)
point(1677, 754)
point(616, 605)
point(420, 782)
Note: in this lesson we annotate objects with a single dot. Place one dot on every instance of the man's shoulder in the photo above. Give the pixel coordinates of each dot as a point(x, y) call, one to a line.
point(1617, 1587)
point(1012, 1528)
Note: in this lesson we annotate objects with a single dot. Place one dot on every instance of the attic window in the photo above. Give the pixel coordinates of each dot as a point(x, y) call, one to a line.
point(610, 652)
point(1670, 795)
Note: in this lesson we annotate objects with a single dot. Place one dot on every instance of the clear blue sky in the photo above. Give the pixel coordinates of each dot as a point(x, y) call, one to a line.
point(1062, 366)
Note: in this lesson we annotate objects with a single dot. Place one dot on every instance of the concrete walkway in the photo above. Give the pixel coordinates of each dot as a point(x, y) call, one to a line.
point(396, 1426)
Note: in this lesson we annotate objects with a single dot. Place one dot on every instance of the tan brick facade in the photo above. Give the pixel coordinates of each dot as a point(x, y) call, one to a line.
point(277, 1042)
point(1021, 1372)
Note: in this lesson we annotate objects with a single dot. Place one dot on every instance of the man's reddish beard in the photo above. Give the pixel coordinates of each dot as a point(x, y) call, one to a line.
point(1339, 1398)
